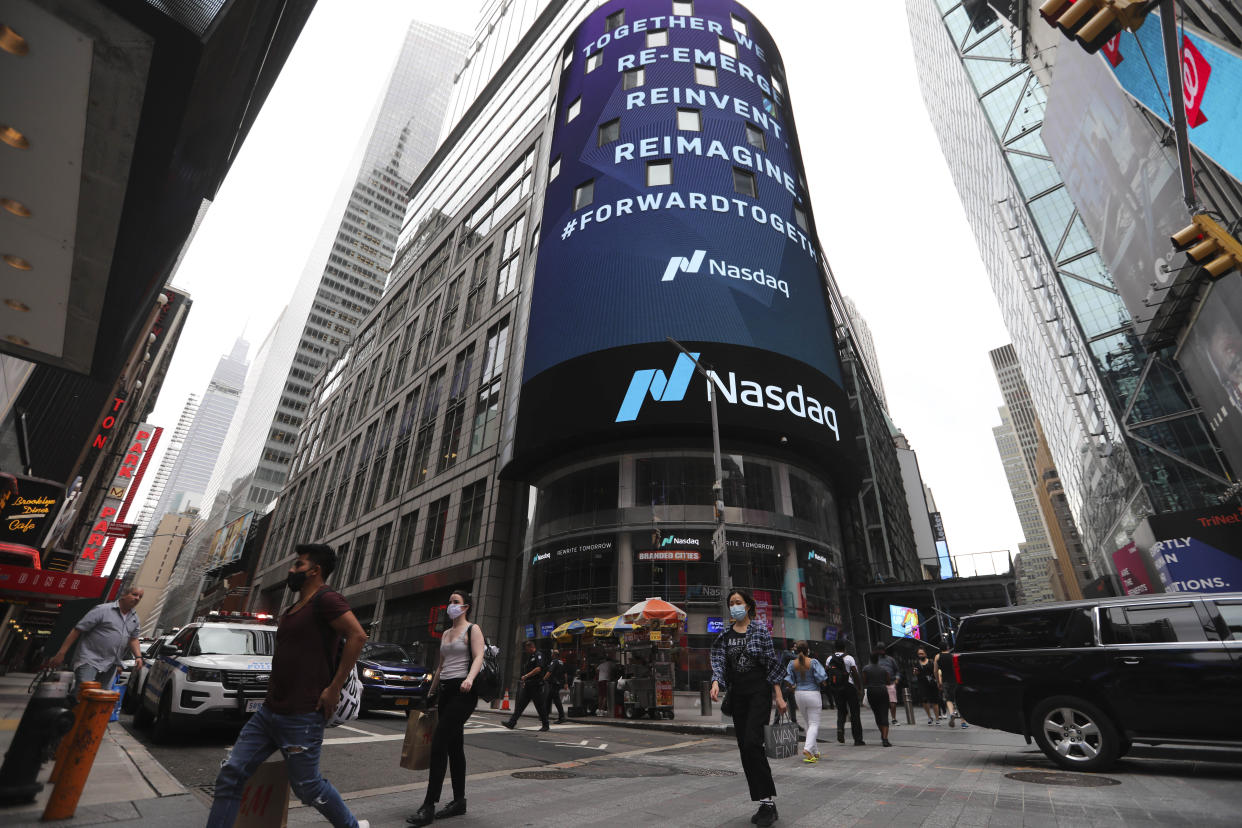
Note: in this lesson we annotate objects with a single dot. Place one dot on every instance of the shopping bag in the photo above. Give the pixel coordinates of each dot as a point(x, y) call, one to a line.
point(265, 799)
point(416, 750)
point(780, 740)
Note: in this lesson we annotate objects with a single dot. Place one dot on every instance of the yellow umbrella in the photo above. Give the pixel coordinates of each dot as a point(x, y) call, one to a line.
point(612, 626)
point(567, 631)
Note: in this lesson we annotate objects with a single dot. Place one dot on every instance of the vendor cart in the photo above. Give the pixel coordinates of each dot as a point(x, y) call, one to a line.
point(647, 686)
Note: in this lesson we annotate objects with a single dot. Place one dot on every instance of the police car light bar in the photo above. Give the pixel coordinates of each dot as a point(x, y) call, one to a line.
point(216, 615)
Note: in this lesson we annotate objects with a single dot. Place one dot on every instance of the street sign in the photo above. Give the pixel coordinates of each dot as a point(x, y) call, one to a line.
point(718, 542)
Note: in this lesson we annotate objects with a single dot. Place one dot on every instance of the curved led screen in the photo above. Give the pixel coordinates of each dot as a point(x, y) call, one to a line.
point(676, 207)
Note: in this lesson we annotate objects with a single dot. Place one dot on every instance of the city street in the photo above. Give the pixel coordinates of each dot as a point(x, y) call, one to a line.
point(588, 774)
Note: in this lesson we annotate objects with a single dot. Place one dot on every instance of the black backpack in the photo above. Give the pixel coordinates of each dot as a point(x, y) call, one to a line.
point(487, 682)
point(838, 676)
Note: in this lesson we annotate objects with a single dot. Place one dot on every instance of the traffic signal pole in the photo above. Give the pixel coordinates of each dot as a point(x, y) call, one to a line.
point(1173, 67)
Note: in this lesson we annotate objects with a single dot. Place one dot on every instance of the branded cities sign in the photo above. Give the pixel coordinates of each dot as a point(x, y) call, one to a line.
point(676, 207)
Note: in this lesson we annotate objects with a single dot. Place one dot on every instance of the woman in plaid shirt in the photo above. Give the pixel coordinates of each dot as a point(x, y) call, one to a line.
point(745, 664)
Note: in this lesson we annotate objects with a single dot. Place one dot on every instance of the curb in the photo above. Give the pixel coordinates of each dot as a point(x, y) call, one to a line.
point(693, 729)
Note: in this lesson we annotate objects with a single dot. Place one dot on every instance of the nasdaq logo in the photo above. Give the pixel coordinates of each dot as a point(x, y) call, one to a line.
point(682, 264)
point(662, 388)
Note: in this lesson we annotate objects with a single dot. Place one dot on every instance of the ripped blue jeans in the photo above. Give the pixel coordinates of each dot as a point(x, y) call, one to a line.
point(298, 737)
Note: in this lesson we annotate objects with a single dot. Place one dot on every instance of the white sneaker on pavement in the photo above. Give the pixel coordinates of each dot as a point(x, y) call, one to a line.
point(364, 823)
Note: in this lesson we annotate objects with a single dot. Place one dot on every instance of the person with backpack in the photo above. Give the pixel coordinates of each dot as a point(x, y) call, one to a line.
point(805, 675)
point(948, 682)
point(846, 688)
point(302, 694)
point(462, 647)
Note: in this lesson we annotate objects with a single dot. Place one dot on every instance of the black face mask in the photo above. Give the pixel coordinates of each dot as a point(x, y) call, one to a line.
point(295, 580)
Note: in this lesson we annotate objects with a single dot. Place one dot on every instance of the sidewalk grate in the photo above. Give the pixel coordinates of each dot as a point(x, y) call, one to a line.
point(706, 772)
point(548, 774)
point(1073, 780)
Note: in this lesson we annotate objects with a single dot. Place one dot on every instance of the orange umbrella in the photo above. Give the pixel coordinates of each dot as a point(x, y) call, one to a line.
point(654, 611)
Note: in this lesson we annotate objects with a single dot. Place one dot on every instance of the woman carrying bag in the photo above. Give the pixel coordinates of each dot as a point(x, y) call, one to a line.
point(745, 664)
point(461, 658)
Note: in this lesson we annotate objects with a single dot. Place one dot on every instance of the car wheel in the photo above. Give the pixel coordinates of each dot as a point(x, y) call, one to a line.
point(1075, 734)
point(163, 732)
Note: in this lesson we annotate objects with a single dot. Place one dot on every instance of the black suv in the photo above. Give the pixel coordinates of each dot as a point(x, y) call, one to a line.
point(1086, 679)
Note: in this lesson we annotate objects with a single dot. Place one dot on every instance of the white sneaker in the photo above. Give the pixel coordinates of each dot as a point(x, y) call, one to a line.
point(364, 823)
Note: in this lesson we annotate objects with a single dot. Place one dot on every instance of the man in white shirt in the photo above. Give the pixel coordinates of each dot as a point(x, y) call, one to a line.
point(846, 690)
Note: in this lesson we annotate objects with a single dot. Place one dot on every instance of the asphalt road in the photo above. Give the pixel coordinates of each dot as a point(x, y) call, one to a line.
point(364, 754)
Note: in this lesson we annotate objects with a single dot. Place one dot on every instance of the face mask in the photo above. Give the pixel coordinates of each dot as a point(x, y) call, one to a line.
point(295, 580)
point(738, 611)
point(455, 610)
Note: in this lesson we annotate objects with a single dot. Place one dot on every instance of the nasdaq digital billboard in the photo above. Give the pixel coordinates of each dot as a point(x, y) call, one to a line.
point(676, 208)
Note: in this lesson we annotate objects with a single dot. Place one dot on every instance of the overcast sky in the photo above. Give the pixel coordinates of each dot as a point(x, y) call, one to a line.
point(889, 219)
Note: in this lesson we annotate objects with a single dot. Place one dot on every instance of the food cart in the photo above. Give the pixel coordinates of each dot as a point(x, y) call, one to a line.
point(647, 666)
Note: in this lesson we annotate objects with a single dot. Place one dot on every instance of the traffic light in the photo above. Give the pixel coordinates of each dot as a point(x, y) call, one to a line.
point(1207, 244)
point(1094, 22)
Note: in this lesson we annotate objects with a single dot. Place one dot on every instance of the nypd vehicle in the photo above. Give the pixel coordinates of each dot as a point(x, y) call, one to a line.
point(213, 671)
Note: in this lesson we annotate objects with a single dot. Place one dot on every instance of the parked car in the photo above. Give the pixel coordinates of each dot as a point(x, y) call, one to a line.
point(1087, 679)
point(392, 679)
point(213, 671)
point(134, 681)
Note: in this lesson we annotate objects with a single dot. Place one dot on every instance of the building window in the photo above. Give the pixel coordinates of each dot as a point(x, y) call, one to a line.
point(455, 413)
point(555, 169)
point(594, 62)
point(426, 429)
point(683, 8)
point(470, 516)
point(614, 20)
point(487, 409)
point(567, 57)
point(776, 86)
point(800, 218)
point(574, 108)
point(477, 292)
point(357, 560)
point(379, 557)
point(609, 132)
point(739, 25)
point(632, 78)
point(690, 119)
point(584, 194)
point(510, 258)
point(754, 137)
point(437, 523)
point(744, 182)
point(704, 75)
point(657, 37)
point(404, 552)
point(727, 47)
point(659, 173)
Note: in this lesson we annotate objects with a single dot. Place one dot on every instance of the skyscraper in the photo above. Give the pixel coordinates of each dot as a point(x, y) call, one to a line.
point(1035, 550)
point(512, 419)
point(344, 276)
point(1125, 438)
point(181, 481)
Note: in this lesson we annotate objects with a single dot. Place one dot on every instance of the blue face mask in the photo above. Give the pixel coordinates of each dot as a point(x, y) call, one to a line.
point(738, 611)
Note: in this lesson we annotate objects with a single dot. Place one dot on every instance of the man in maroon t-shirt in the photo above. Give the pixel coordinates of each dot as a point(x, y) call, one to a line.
point(302, 694)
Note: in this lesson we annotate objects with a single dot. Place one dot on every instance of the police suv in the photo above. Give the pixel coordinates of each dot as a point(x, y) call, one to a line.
point(212, 671)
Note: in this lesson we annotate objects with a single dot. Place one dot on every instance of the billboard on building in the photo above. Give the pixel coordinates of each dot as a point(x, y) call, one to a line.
point(229, 541)
point(1198, 550)
point(1211, 358)
point(676, 208)
point(1125, 185)
point(128, 474)
point(1132, 570)
point(26, 514)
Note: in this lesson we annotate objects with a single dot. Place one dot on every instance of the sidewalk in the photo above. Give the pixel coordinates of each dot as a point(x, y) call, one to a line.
point(126, 784)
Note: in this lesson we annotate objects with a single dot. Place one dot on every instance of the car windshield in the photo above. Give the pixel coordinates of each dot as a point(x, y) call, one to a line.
point(232, 641)
point(392, 653)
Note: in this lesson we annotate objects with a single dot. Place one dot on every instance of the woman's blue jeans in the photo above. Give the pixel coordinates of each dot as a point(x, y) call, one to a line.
point(298, 737)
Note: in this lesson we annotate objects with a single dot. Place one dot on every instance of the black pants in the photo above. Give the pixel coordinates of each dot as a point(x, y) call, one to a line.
point(530, 692)
point(750, 714)
point(877, 697)
point(448, 745)
point(847, 702)
point(554, 697)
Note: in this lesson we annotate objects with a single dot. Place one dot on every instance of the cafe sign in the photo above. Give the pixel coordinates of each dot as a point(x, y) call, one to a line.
point(26, 516)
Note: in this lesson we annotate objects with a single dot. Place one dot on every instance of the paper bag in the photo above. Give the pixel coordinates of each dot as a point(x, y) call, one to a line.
point(780, 741)
point(265, 799)
point(416, 750)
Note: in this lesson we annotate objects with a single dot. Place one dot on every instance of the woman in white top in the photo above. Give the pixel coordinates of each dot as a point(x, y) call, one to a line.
point(461, 657)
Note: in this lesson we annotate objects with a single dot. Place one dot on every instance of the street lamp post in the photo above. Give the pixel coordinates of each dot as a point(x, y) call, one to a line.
point(719, 544)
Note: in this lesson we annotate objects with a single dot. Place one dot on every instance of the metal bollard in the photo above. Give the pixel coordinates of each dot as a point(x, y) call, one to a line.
point(78, 711)
point(81, 756)
point(612, 700)
point(705, 699)
point(909, 706)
